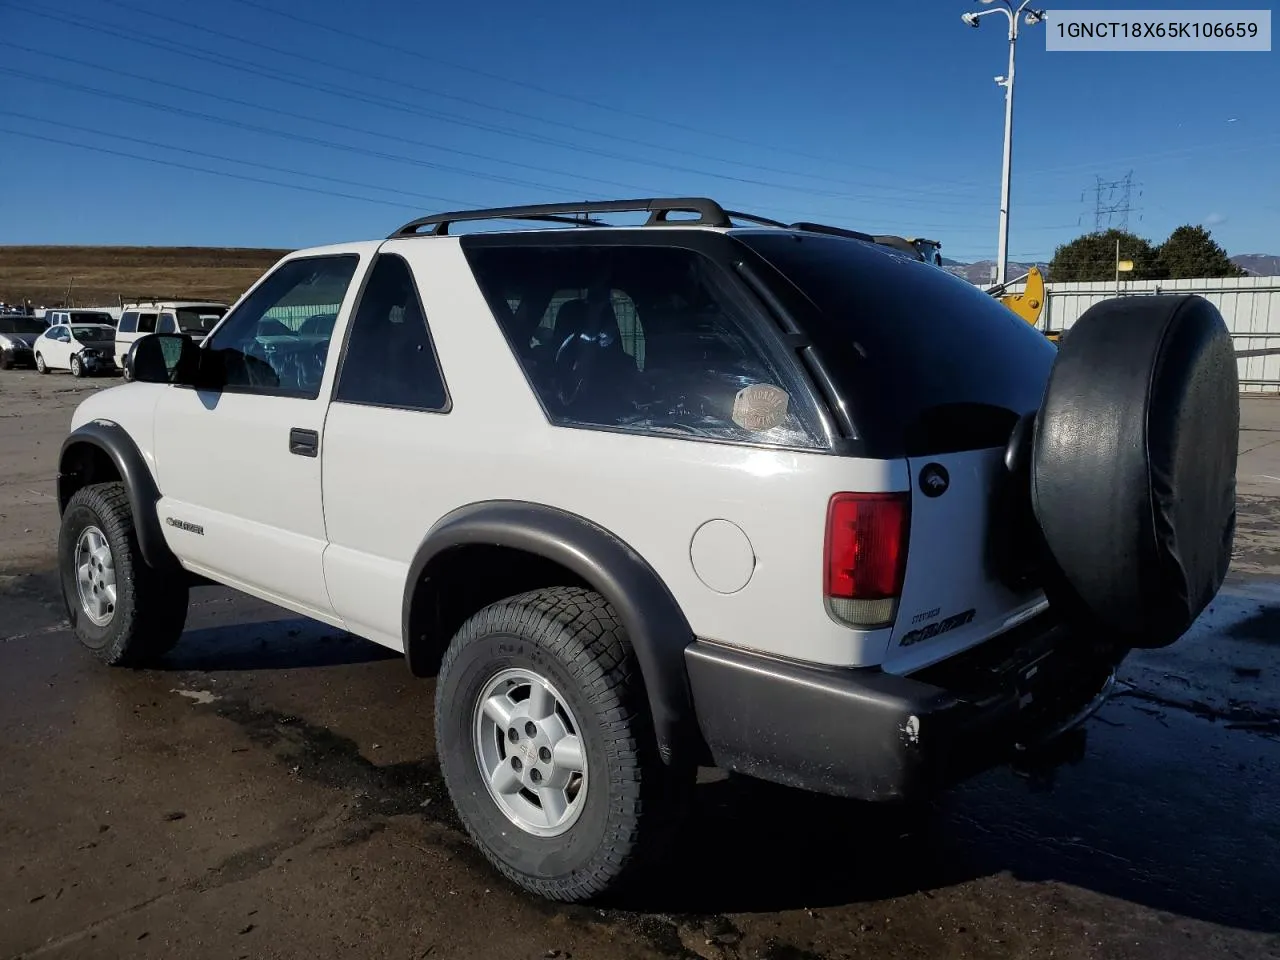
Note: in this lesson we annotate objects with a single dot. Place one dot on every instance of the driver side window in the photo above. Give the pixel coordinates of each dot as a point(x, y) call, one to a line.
point(265, 346)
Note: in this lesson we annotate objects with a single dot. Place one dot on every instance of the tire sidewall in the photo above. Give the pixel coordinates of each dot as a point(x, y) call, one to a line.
point(77, 368)
point(77, 517)
point(41, 367)
point(541, 858)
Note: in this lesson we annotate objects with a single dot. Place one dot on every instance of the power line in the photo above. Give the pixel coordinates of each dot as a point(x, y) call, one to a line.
point(116, 135)
point(435, 60)
point(216, 173)
point(351, 71)
point(294, 114)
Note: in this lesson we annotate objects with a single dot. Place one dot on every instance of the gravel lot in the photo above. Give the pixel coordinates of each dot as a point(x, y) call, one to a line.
point(272, 792)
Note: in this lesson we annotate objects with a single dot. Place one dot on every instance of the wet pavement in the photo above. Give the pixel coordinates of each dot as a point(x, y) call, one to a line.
point(272, 792)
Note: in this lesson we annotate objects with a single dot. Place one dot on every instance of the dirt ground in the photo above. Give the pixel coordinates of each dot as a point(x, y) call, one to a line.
point(272, 791)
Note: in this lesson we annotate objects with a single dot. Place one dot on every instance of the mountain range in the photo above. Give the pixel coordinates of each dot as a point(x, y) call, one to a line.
point(982, 272)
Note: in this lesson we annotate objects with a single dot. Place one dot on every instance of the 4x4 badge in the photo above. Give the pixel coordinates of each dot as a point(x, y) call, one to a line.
point(934, 480)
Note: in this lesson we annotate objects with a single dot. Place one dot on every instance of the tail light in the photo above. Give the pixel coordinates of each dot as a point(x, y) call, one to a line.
point(865, 557)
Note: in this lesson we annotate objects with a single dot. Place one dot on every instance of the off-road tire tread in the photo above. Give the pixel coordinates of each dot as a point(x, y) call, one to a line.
point(150, 623)
point(647, 800)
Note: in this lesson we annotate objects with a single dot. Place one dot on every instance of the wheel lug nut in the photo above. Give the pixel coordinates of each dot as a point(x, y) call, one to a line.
point(535, 776)
point(512, 735)
point(516, 764)
point(530, 729)
point(544, 754)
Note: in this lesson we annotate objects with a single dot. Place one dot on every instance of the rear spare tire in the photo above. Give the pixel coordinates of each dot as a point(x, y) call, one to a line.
point(1134, 467)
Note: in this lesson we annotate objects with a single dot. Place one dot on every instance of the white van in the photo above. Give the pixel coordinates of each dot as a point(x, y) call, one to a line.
point(195, 318)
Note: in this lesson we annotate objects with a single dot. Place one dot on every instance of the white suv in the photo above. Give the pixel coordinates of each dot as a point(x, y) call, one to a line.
point(709, 490)
point(139, 317)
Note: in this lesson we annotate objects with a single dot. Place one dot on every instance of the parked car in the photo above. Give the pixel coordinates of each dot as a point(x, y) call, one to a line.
point(54, 317)
point(192, 318)
point(86, 349)
point(18, 334)
point(706, 491)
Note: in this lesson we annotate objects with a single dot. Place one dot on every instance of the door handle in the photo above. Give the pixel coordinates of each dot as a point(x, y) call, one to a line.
point(305, 443)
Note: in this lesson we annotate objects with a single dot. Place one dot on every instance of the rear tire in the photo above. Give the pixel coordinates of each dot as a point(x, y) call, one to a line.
point(560, 650)
point(123, 611)
point(40, 367)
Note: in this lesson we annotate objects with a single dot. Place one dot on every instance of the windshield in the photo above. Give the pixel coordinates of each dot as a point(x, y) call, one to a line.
point(93, 334)
point(199, 319)
point(21, 325)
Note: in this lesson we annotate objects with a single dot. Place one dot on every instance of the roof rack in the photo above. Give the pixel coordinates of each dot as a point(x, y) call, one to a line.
point(833, 231)
point(710, 214)
point(163, 298)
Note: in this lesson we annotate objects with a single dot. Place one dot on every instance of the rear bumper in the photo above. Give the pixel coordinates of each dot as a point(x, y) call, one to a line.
point(871, 735)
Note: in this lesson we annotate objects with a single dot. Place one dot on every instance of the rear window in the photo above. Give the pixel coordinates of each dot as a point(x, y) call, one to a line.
point(926, 361)
point(648, 339)
point(199, 320)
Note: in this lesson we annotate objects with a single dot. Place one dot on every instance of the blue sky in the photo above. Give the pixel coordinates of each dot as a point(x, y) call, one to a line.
point(883, 117)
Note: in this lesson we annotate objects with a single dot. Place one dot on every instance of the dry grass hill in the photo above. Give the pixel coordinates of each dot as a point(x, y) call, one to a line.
point(98, 275)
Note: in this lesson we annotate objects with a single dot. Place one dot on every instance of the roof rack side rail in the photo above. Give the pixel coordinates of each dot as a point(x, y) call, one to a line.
point(710, 214)
point(755, 218)
point(809, 227)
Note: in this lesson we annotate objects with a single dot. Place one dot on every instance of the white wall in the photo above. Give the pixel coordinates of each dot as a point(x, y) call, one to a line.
point(1249, 305)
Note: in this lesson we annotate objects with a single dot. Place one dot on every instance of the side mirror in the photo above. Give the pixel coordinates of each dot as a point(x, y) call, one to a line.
point(163, 358)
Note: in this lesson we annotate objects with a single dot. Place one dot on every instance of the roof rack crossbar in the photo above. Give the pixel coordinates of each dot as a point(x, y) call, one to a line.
point(710, 214)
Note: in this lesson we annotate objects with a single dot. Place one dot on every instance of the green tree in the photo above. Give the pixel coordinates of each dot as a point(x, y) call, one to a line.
point(1093, 257)
point(1192, 252)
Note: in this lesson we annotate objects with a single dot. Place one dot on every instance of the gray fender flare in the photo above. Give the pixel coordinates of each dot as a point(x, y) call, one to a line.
point(113, 440)
point(658, 630)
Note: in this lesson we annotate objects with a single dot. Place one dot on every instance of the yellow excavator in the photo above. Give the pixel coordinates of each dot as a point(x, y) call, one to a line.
point(1030, 302)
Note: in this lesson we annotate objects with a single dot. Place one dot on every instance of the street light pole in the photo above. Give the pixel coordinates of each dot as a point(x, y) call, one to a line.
point(973, 19)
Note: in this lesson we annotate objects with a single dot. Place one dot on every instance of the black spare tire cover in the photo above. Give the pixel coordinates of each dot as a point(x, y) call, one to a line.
point(1134, 466)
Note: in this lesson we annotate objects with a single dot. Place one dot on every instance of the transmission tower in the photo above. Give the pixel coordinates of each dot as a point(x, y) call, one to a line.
point(1113, 201)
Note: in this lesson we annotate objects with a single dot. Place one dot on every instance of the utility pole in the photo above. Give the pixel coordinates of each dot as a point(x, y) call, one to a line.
point(973, 20)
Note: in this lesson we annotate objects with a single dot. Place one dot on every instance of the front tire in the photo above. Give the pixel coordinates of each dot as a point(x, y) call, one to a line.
point(40, 367)
point(547, 749)
point(123, 611)
point(77, 367)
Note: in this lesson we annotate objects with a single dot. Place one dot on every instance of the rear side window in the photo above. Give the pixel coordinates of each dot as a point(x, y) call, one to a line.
point(128, 323)
point(926, 362)
point(146, 323)
point(652, 339)
point(390, 360)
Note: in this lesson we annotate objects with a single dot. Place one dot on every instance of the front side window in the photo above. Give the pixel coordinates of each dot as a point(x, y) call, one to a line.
point(256, 351)
point(61, 334)
point(166, 324)
point(646, 338)
point(390, 359)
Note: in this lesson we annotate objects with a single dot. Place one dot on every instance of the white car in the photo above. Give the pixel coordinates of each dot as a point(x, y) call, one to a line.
point(83, 348)
point(712, 490)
